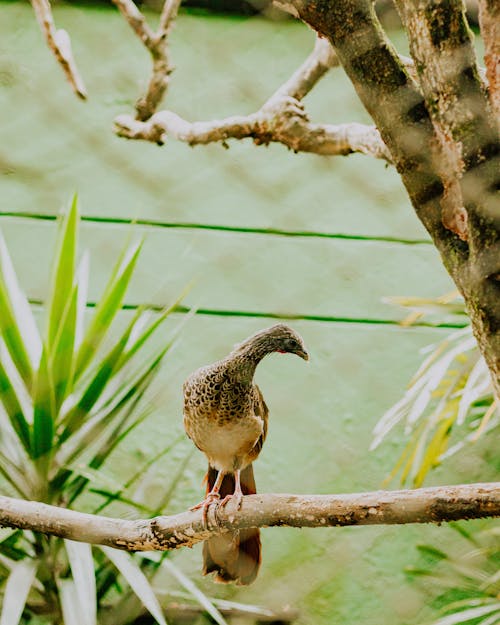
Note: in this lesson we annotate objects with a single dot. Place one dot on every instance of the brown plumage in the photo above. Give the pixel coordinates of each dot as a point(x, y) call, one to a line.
point(226, 417)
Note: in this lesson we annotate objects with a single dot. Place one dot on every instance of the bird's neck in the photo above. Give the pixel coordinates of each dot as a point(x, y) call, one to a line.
point(243, 360)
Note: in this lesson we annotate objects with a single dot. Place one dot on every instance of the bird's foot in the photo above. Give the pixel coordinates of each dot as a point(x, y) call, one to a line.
point(236, 497)
point(205, 504)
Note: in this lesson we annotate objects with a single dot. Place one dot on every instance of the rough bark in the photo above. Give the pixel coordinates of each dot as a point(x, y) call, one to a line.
point(489, 20)
point(426, 505)
point(457, 201)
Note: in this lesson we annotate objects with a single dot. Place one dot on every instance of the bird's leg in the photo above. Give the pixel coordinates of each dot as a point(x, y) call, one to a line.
point(238, 493)
point(212, 496)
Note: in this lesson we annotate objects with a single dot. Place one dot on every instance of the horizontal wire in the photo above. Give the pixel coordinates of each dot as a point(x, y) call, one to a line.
point(214, 312)
point(151, 223)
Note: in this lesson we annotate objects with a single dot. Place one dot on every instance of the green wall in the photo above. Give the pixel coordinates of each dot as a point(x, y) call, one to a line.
point(368, 244)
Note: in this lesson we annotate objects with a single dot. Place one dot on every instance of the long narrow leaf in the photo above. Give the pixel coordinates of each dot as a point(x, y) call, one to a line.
point(106, 447)
point(109, 305)
point(433, 451)
point(98, 383)
point(468, 615)
point(9, 546)
point(141, 339)
point(83, 573)
point(74, 613)
point(13, 409)
point(141, 471)
point(92, 430)
point(82, 281)
point(14, 475)
point(9, 327)
point(137, 581)
point(194, 591)
point(16, 591)
point(142, 508)
point(20, 307)
point(62, 273)
point(62, 354)
point(43, 411)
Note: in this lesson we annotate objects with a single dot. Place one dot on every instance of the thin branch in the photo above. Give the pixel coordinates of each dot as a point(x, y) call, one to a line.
point(168, 15)
point(281, 119)
point(427, 505)
point(317, 64)
point(157, 45)
point(136, 21)
point(288, 126)
point(59, 42)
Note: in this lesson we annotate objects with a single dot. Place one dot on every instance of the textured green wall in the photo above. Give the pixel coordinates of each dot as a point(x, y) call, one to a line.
point(322, 413)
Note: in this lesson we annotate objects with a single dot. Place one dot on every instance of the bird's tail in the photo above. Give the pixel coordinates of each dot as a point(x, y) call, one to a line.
point(233, 556)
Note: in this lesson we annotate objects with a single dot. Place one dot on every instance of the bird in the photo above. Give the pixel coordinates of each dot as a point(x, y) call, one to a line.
point(226, 417)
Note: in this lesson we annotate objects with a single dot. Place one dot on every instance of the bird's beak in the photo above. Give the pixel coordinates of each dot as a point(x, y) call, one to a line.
point(303, 354)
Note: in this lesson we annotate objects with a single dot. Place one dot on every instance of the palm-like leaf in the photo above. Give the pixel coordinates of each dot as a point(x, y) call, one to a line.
point(63, 403)
point(82, 571)
point(16, 591)
point(137, 581)
point(451, 389)
point(473, 573)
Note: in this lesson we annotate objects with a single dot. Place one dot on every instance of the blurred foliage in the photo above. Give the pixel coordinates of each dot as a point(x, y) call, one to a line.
point(450, 394)
point(468, 584)
point(69, 397)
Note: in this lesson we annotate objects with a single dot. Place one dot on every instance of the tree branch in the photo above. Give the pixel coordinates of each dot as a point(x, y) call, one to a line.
point(157, 44)
point(426, 505)
point(136, 21)
point(59, 42)
point(287, 125)
point(281, 119)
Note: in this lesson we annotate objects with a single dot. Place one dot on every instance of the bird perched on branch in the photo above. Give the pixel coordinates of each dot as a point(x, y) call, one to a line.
point(226, 417)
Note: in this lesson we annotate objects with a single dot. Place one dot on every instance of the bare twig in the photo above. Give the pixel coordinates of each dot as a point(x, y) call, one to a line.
point(168, 15)
point(59, 42)
point(317, 64)
point(136, 21)
point(157, 44)
point(426, 505)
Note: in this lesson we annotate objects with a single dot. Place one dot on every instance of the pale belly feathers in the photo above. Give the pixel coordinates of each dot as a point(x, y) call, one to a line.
point(228, 446)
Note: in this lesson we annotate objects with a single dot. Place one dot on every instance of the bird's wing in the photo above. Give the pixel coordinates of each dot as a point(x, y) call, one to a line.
point(261, 410)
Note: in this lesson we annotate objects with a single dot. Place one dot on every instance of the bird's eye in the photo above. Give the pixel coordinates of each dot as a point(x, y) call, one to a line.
point(292, 344)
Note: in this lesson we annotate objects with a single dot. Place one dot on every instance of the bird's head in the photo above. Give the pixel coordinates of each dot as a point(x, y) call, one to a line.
point(280, 338)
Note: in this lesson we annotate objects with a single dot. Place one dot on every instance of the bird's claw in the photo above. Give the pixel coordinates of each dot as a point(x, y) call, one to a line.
point(204, 505)
point(236, 497)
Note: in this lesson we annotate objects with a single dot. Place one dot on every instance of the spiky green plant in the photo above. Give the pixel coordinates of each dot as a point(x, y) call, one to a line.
point(69, 396)
point(451, 393)
point(465, 585)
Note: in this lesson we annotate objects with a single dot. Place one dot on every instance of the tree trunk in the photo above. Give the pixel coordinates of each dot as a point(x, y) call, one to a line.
point(441, 134)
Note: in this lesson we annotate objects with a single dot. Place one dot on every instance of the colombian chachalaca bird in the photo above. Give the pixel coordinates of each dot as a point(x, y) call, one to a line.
point(226, 417)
